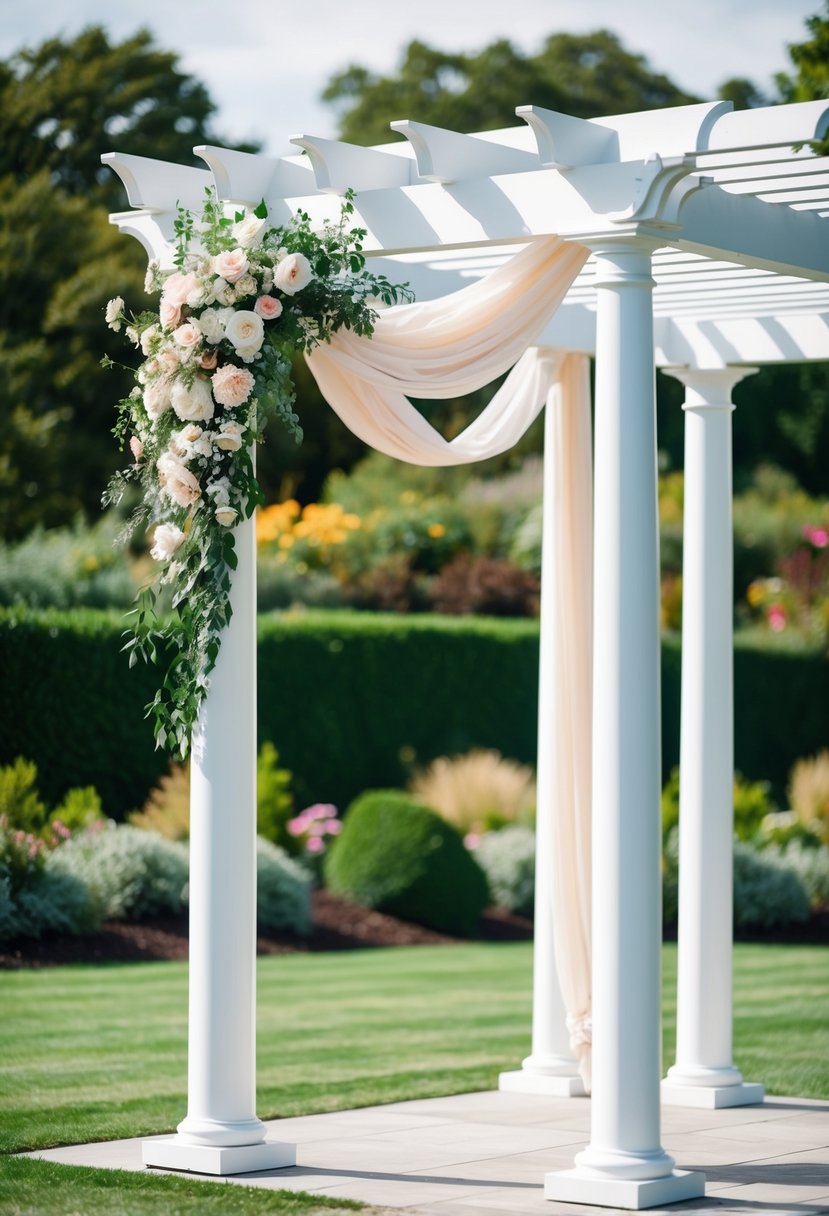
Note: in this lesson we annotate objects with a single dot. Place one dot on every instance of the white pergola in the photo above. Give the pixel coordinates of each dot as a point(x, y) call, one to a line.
point(708, 257)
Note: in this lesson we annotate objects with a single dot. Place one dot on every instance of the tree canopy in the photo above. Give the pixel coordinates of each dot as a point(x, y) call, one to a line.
point(582, 74)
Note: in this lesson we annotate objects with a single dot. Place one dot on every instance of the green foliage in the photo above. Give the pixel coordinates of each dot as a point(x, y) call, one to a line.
point(402, 858)
point(274, 801)
point(79, 809)
point(283, 890)
point(771, 890)
point(810, 60)
point(130, 874)
point(752, 804)
point(507, 857)
point(768, 892)
point(66, 568)
point(583, 74)
point(20, 803)
point(52, 901)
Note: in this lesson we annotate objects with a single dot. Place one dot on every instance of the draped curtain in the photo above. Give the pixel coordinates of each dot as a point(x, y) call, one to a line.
point(452, 346)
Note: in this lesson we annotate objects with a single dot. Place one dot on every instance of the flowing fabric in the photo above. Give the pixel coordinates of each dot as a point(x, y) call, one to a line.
point(452, 346)
point(447, 347)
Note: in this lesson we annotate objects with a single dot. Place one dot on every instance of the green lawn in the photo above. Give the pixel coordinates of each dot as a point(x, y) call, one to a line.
point(100, 1052)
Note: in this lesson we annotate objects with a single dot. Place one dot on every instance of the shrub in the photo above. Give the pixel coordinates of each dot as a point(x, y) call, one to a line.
point(131, 874)
point(507, 857)
point(478, 792)
point(66, 568)
point(768, 892)
point(489, 586)
point(283, 890)
point(809, 793)
point(752, 805)
point(20, 802)
point(811, 864)
point(402, 858)
point(167, 809)
point(54, 902)
point(274, 802)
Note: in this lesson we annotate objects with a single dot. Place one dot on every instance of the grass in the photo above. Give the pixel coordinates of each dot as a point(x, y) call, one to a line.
point(94, 1053)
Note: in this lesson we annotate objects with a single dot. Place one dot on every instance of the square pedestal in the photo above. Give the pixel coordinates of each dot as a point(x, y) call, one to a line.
point(522, 1081)
point(711, 1097)
point(574, 1186)
point(171, 1153)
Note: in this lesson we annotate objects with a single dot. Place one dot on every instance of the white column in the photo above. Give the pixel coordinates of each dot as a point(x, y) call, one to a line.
point(625, 1165)
point(221, 1133)
point(704, 1074)
point(551, 1067)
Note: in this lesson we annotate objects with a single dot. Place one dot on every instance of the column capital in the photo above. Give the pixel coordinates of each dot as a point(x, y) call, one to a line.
point(621, 260)
point(709, 387)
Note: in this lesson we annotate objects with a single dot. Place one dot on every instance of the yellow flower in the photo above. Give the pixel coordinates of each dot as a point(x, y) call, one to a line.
point(436, 531)
point(756, 592)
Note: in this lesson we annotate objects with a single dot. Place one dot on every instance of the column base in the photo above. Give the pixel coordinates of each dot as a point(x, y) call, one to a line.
point(173, 1153)
point(583, 1186)
point(524, 1081)
point(711, 1097)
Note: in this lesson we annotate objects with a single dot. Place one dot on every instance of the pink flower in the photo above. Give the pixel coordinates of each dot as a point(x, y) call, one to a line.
point(169, 314)
point(472, 840)
point(819, 537)
point(296, 826)
point(292, 273)
point(178, 287)
point(268, 308)
point(315, 844)
point(232, 385)
point(208, 360)
point(777, 618)
point(231, 264)
point(136, 447)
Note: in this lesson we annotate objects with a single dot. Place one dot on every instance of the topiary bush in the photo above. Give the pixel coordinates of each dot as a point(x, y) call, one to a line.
point(402, 858)
point(283, 890)
point(507, 857)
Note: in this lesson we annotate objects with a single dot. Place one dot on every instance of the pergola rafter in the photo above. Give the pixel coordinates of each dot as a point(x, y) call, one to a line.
point(708, 250)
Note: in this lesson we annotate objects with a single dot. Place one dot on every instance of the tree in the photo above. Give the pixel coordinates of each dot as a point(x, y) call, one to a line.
point(582, 74)
point(810, 59)
point(61, 105)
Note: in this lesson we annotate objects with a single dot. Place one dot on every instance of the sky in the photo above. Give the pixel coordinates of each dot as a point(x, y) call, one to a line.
point(265, 62)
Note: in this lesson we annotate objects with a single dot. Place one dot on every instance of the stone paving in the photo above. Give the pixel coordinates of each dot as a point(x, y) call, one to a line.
point(486, 1154)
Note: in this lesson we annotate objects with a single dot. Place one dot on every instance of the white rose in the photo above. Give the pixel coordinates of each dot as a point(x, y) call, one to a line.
point(212, 325)
point(246, 286)
point(229, 438)
point(166, 541)
point(249, 231)
point(157, 399)
point(246, 331)
point(226, 516)
point(147, 337)
point(193, 404)
point(176, 480)
point(115, 313)
point(292, 273)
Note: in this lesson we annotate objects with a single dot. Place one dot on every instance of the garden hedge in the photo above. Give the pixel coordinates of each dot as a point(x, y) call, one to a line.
point(351, 700)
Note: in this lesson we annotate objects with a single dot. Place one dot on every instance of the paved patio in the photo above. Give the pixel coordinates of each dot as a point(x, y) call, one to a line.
point(486, 1154)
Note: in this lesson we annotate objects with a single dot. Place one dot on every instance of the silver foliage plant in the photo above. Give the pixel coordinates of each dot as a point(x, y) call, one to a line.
point(244, 299)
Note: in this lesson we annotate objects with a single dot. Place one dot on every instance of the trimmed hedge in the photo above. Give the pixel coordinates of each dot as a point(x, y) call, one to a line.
point(352, 701)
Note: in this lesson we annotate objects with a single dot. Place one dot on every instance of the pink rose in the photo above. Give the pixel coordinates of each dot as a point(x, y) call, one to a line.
point(188, 336)
point(178, 287)
point(169, 314)
point(268, 308)
point(137, 448)
point(231, 264)
point(232, 385)
point(208, 360)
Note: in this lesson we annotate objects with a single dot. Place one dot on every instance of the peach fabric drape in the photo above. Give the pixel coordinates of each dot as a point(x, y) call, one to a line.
point(451, 346)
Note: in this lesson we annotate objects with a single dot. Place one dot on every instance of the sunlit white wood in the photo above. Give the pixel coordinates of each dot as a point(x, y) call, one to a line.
point(625, 1165)
point(447, 156)
point(769, 126)
point(704, 1073)
point(564, 141)
point(221, 1076)
point(246, 177)
point(339, 166)
point(158, 183)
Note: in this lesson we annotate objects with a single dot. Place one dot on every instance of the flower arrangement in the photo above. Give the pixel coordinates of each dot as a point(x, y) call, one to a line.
point(244, 298)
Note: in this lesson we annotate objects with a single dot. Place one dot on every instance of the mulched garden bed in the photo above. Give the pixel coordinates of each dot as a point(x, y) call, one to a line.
point(338, 925)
